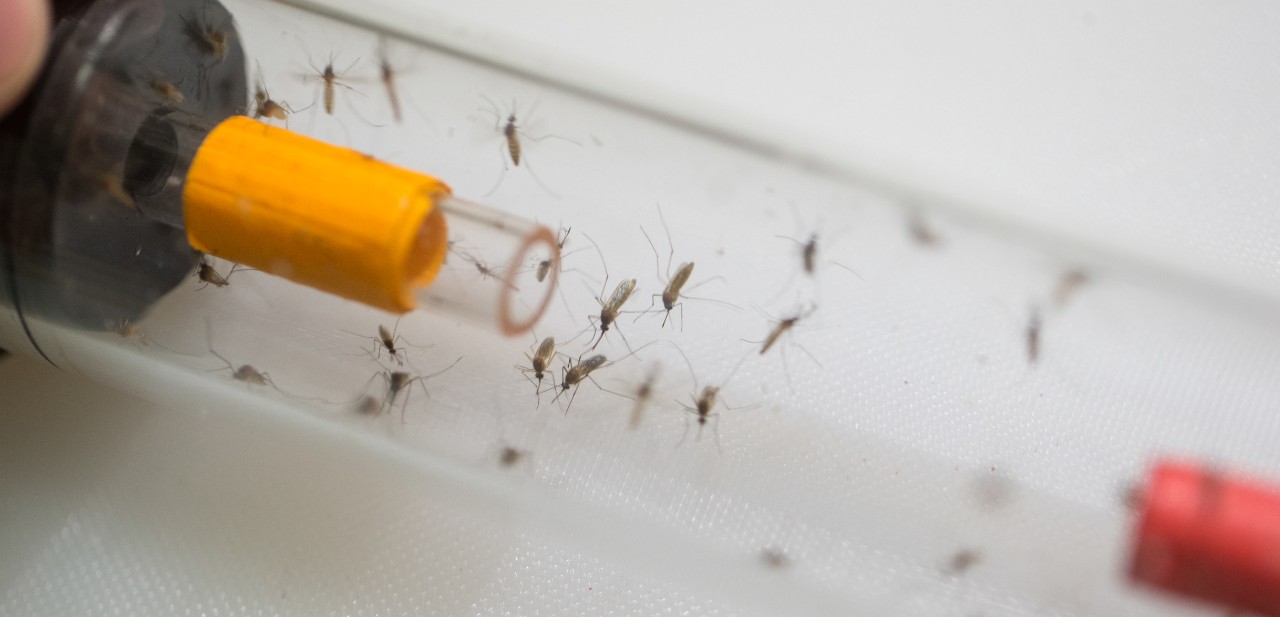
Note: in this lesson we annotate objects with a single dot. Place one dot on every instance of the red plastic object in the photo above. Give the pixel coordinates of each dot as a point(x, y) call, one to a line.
point(1210, 535)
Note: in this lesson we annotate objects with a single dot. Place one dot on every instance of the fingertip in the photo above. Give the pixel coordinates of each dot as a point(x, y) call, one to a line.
point(24, 33)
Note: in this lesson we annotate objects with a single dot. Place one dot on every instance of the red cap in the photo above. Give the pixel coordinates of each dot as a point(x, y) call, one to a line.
point(1210, 535)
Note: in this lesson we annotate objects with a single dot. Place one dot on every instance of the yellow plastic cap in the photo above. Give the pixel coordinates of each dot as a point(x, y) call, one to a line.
point(327, 217)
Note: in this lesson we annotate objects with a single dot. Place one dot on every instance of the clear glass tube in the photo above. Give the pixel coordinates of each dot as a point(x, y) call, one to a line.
point(500, 269)
point(852, 443)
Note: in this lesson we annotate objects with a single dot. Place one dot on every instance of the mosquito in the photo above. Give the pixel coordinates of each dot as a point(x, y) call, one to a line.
point(539, 362)
point(920, 231)
point(486, 271)
point(705, 401)
point(332, 78)
point(609, 310)
point(510, 128)
point(111, 184)
point(168, 91)
point(388, 80)
point(775, 558)
point(1068, 284)
point(674, 284)
point(207, 274)
point(780, 329)
point(209, 38)
point(962, 561)
point(245, 372)
point(574, 373)
point(1033, 336)
point(510, 456)
point(369, 405)
point(641, 398)
point(267, 107)
point(808, 249)
point(512, 132)
point(386, 341)
point(401, 381)
point(544, 266)
point(126, 330)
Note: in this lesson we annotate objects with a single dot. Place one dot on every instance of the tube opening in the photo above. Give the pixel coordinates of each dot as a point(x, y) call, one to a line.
point(152, 156)
point(499, 269)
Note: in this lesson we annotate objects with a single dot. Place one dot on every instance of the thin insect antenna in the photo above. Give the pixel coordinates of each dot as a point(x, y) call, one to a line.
point(306, 51)
point(261, 72)
point(671, 252)
point(493, 109)
point(657, 263)
point(603, 264)
point(688, 364)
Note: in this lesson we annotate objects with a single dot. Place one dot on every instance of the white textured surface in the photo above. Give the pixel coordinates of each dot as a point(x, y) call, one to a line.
point(869, 471)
